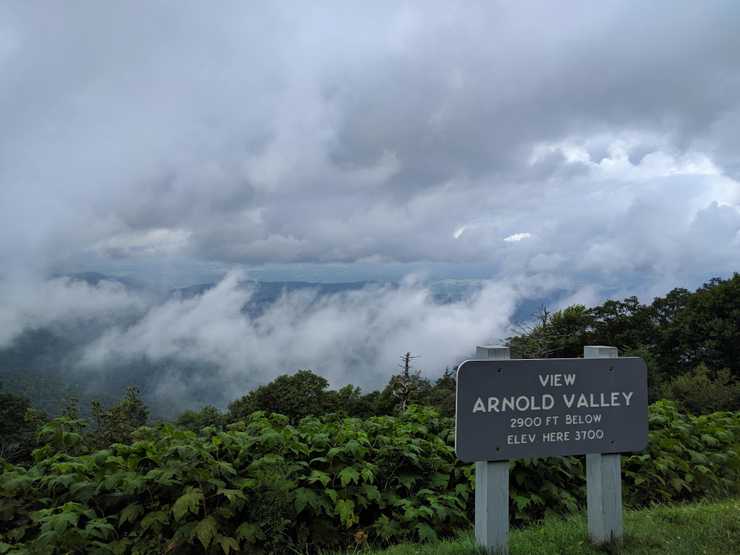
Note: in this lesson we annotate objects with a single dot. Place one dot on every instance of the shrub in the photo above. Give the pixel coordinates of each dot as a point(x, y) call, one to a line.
point(261, 486)
point(295, 396)
point(266, 486)
point(18, 426)
point(688, 457)
point(700, 392)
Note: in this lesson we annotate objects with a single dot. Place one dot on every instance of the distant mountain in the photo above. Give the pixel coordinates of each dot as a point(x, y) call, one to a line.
point(265, 293)
point(94, 279)
point(271, 290)
point(50, 391)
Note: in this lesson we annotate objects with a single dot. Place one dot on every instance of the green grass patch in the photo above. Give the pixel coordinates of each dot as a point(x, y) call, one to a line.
point(696, 529)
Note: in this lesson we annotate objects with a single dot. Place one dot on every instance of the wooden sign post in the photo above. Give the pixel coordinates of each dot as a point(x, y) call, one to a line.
point(508, 409)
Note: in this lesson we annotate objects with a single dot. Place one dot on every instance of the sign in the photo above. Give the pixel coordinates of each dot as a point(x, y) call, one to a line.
point(510, 409)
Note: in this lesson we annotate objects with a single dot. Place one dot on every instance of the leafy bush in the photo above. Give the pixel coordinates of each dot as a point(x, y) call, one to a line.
point(18, 426)
point(261, 486)
point(700, 392)
point(196, 420)
point(688, 457)
point(293, 395)
point(266, 486)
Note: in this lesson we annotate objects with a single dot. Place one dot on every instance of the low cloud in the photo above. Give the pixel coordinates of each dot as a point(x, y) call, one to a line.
point(30, 304)
point(352, 337)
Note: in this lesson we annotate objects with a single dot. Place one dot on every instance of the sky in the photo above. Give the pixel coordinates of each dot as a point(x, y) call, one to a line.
point(587, 147)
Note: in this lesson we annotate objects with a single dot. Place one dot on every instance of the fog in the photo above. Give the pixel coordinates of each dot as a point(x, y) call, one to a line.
point(352, 337)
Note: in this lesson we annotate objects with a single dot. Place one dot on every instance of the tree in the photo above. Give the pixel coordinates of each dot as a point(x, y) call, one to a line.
point(674, 334)
point(349, 401)
point(443, 393)
point(295, 396)
point(623, 324)
point(404, 389)
point(19, 423)
point(117, 424)
point(559, 334)
point(702, 391)
point(701, 327)
point(197, 420)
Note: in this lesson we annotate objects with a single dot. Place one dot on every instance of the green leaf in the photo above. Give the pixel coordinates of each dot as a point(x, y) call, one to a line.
point(187, 503)
point(303, 497)
point(348, 475)
point(426, 532)
point(709, 440)
point(440, 480)
point(119, 547)
point(232, 494)
point(227, 544)
point(250, 532)
point(129, 513)
point(206, 530)
point(319, 476)
point(367, 474)
point(157, 517)
point(346, 510)
point(407, 480)
point(99, 528)
point(521, 502)
point(371, 492)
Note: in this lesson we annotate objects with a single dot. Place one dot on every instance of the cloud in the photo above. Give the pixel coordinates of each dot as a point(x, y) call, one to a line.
point(353, 337)
point(516, 237)
point(150, 242)
point(278, 133)
point(32, 304)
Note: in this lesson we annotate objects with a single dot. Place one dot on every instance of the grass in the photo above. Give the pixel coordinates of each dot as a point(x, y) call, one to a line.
point(698, 529)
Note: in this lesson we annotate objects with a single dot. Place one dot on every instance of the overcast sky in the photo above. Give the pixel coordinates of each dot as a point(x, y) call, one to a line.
point(579, 142)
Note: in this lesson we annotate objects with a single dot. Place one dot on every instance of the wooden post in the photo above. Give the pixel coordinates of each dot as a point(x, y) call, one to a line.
point(603, 480)
point(492, 487)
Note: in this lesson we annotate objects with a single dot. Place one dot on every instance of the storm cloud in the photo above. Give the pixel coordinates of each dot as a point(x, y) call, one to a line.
point(352, 131)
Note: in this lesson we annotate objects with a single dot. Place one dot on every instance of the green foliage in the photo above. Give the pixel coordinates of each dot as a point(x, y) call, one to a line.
point(443, 392)
point(541, 487)
point(18, 426)
point(674, 334)
point(403, 391)
point(295, 396)
point(116, 424)
point(559, 334)
point(263, 485)
point(306, 394)
point(349, 401)
point(207, 416)
point(701, 392)
point(687, 457)
point(47, 390)
point(703, 327)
